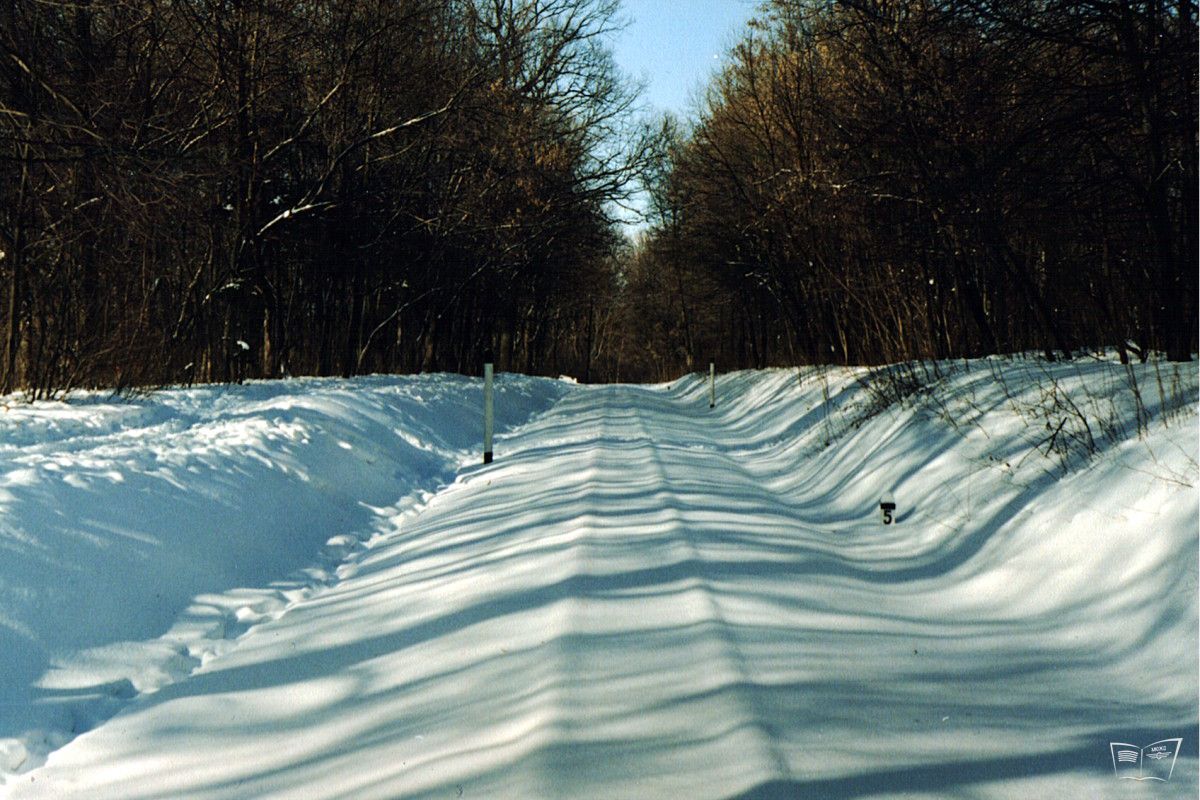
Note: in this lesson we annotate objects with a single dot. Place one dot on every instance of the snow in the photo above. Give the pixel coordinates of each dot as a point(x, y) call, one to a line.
point(313, 589)
point(128, 527)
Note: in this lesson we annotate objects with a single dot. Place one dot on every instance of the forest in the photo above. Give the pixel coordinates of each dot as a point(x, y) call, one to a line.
point(218, 190)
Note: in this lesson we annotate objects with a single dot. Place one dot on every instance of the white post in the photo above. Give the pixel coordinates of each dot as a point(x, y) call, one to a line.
point(488, 414)
point(712, 385)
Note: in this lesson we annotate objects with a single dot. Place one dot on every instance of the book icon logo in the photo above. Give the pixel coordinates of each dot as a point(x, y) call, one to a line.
point(1154, 762)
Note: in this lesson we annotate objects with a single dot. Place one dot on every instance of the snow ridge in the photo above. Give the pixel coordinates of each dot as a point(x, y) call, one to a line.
point(137, 510)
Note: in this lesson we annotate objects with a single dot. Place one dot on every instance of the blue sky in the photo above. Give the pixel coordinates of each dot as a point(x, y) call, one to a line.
point(674, 45)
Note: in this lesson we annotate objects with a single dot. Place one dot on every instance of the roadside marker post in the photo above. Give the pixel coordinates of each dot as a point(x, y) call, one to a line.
point(887, 505)
point(488, 407)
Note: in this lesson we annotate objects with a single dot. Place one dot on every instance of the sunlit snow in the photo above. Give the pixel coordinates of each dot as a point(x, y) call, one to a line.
point(314, 589)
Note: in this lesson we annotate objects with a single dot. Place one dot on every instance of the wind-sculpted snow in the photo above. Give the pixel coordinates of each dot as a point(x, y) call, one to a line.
point(643, 597)
point(123, 524)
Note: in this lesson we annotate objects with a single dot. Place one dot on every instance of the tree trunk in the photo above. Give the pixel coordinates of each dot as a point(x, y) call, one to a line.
point(12, 336)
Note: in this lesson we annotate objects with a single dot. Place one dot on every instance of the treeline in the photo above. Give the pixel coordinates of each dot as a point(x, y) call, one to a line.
point(879, 180)
point(211, 190)
point(207, 190)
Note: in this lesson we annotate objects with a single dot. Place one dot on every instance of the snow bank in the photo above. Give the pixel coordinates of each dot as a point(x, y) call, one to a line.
point(646, 597)
point(1047, 538)
point(124, 525)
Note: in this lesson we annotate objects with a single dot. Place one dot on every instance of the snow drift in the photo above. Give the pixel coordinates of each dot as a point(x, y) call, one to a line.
point(642, 596)
point(124, 524)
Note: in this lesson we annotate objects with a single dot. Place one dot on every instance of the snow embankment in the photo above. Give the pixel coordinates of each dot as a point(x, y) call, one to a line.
point(137, 537)
point(644, 596)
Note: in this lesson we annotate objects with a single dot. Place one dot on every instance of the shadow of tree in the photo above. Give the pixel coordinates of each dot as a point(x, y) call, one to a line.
point(621, 608)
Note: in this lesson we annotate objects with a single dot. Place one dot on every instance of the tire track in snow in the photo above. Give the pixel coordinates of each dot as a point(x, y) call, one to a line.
point(736, 672)
point(707, 670)
point(555, 721)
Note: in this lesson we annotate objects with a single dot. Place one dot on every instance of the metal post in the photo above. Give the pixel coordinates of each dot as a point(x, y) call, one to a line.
point(488, 414)
point(712, 385)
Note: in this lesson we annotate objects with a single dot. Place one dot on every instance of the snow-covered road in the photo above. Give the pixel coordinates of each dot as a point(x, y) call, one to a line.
point(643, 598)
